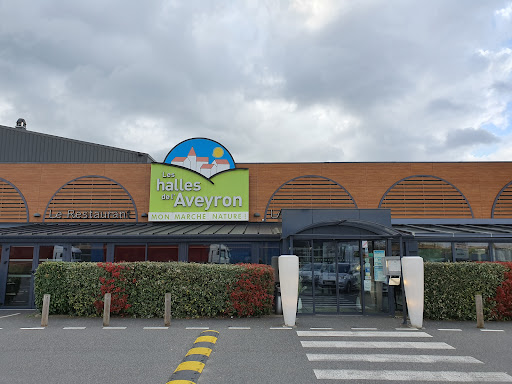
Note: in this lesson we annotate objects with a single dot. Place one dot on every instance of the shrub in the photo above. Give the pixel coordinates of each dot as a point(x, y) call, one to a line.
point(138, 289)
point(253, 293)
point(450, 289)
point(502, 302)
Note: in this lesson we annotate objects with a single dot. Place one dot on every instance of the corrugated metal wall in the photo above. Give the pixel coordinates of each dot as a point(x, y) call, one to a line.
point(22, 146)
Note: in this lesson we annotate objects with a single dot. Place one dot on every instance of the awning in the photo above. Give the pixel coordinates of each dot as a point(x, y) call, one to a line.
point(103, 232)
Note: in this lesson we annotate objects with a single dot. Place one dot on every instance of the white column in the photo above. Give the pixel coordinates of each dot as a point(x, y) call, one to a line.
point(289, 282)
point(412, 272)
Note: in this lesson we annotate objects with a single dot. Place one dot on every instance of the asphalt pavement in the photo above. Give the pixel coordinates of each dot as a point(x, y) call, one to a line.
point(252, 350)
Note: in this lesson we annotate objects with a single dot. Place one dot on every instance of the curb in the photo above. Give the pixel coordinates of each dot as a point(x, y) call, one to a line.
point(190, 369)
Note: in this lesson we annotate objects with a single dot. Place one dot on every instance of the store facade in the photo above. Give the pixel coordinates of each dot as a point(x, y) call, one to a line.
point(67, 200)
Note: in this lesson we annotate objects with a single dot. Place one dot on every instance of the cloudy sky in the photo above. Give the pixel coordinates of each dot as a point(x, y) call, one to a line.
point(272, 80)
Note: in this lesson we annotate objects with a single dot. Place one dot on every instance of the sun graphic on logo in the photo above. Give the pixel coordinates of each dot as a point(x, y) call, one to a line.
point(218, 152)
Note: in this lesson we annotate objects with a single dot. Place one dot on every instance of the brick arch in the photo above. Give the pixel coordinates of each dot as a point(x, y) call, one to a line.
point(91, 199)
point(13, 206)
point(422, 196)
point(309, 191)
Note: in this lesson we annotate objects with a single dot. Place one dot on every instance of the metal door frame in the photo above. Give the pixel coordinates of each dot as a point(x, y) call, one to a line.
point(4, 269)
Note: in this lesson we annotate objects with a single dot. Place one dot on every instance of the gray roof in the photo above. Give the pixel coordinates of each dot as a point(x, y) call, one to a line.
point(449, 232)
point(18, 145)
point(251, 231)
point(143, 232)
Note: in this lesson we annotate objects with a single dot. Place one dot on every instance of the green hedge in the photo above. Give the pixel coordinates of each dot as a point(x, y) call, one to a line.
point(197, 290)
point(450, 289)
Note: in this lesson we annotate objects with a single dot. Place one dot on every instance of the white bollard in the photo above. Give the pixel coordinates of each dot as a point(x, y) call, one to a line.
point(289, 282)
point(412, 271)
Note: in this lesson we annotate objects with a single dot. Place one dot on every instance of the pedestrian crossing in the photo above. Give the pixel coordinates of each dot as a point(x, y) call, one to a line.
point(339, 355)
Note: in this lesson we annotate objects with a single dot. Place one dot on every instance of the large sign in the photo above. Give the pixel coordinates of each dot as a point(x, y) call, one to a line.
point(198, 182)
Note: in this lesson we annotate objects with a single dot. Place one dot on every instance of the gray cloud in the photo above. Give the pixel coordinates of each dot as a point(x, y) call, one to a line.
point(365, 81)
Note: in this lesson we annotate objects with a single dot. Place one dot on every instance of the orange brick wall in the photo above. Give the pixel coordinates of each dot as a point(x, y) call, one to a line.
point(479, 182)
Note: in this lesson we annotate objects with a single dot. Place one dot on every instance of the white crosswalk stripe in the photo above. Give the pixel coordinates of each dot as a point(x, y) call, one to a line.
point(394, 358)
point(361, 334)
point(377, 344)
point(389, 375)
point(341, 368)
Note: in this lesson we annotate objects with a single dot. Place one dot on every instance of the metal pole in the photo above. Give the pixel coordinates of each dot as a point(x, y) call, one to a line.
point(404, 302)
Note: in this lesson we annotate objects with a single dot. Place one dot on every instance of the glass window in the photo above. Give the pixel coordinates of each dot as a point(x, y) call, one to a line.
point(472, 252)
point(231, 253)
point(95, 252)
point(435, 251)
point(239, 253)
point(129, 253)
point(267, 251)
point(162, 253)
point(47, 253)
point(503, 251)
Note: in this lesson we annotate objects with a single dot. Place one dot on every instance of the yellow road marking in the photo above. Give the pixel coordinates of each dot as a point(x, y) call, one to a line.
point(190, 366)
point(207, 339)
point(199, 351)
point(180, 382)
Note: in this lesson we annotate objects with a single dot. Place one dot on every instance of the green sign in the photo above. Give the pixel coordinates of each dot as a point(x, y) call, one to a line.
point(179, 194)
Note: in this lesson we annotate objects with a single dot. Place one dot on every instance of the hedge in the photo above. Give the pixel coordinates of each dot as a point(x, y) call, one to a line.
point(138, 289)
point(450, 290)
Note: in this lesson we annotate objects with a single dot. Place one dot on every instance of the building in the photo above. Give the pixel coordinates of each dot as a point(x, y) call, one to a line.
point(63, 199)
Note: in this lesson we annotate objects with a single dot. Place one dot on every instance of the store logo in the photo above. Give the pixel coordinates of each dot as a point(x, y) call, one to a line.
point(203, 156)
point(198, 181)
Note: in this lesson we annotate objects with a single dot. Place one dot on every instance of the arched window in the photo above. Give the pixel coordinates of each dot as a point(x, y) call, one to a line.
point(423, 196)
point(91, 199)
point(308, 192)
point(13, 206)
point(502, 207)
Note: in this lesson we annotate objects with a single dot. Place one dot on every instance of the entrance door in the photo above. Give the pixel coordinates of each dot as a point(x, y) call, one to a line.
point(339, 283)
point(16, 278)
point(330, 276)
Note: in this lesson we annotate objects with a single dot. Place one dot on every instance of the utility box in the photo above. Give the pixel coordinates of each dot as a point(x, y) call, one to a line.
point(393, 268)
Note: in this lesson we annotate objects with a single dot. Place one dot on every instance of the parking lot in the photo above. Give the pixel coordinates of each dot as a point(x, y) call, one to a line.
point(253, 350)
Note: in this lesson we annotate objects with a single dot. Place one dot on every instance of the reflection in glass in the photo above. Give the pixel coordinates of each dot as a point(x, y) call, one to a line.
point(162, 253)
point(435, 251)
point(127, 253)
point(228, 253)
point(503, 251)
point(267, 251)
point(19, 277)
point(472, 252)
point(94, 252)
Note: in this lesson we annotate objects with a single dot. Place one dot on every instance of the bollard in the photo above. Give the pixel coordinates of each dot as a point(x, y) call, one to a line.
point(479, 311)
point(106, 310)
point(46, 310)
point(167, 314)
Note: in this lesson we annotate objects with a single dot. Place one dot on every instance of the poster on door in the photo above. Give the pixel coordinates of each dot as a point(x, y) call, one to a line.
point(378, 265)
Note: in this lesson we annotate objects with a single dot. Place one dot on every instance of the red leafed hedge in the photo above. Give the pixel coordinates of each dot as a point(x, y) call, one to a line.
point(138, 289)
point(503, 299)
point(253, 293)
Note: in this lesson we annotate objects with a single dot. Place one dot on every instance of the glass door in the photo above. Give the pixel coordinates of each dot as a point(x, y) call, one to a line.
point(337, 287)
point(17, 267)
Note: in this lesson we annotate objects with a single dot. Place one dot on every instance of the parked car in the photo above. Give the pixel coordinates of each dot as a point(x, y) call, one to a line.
point(306, 275)
point(347, 277)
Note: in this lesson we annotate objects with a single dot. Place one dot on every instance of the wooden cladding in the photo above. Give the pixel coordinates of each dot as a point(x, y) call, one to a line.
point(91, 198)
point(502, 207)
point(425, 197)
point(12, 204)
point(308, 192)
